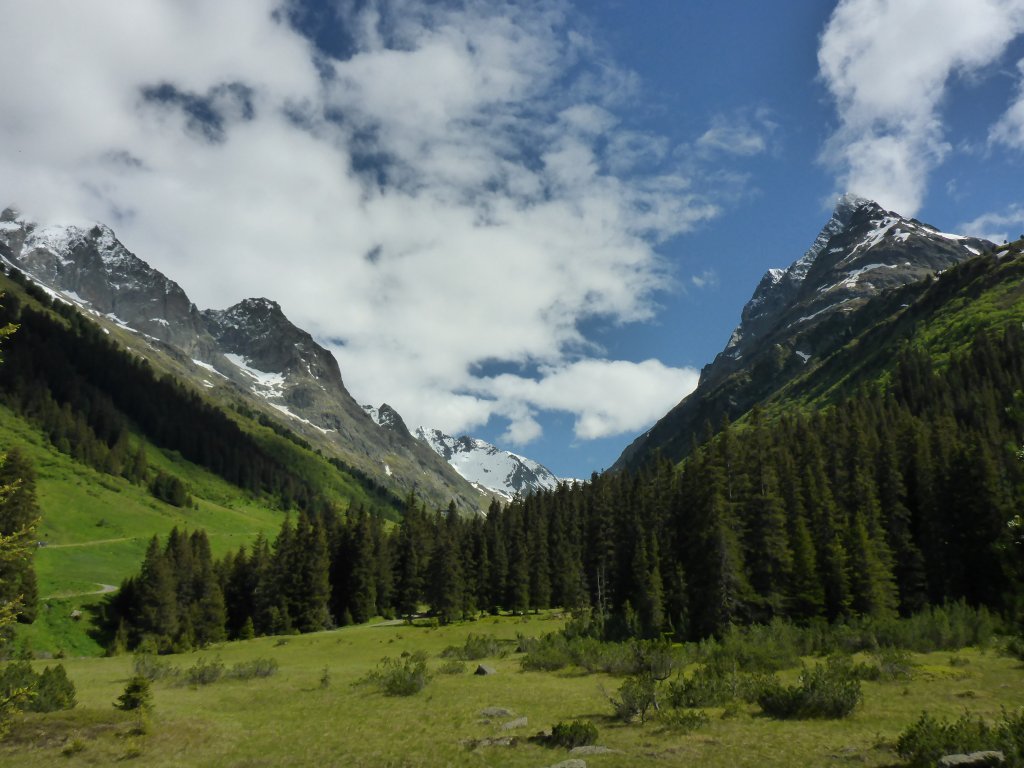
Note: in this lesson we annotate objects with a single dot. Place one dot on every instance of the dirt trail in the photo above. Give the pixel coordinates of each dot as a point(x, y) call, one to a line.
point(104, 589)
point(94, 543)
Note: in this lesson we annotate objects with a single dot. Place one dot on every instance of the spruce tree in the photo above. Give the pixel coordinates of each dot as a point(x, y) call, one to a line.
point(19, 514)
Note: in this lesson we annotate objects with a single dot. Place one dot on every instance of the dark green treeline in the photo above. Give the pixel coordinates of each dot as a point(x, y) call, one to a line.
point(894, 500)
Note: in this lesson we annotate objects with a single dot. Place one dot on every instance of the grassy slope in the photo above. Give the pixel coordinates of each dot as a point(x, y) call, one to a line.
point(96, 528)
point(290, 720)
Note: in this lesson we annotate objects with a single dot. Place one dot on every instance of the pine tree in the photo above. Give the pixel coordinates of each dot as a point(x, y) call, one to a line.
point(19, 514)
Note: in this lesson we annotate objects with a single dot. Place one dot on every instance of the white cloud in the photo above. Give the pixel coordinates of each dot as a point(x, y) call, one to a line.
point(738, 134)
point(887, 64)
point(474, 151)
point(996, 226)
point(706, 279)
point(1009, 130)
point(608, 397)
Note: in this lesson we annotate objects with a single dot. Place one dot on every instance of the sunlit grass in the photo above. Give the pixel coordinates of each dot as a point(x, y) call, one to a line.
point(290, 719)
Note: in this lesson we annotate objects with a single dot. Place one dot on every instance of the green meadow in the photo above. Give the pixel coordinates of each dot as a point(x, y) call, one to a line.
point(94, 529)
point(294, 719)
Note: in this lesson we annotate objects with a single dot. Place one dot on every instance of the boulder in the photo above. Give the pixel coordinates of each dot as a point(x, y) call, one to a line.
point(511, 725)
point(483, 669)
point(973, 760)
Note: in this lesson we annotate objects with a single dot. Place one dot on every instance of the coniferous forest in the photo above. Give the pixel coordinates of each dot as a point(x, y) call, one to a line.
point(901, 497)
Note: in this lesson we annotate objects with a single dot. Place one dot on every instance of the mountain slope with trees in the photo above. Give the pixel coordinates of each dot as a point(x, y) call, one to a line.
point(893, 493)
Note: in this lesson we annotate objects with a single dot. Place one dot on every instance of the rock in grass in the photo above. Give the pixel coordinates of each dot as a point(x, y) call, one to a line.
point(483, 669)
point(591, 749)
point(973, 760)
point(573, 762)
point(496, 712)
point(511, 725)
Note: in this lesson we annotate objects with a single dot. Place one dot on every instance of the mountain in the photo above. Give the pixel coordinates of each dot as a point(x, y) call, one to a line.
point(804, 313)
point(248, 356)
point(490, 469)
point(487, 467)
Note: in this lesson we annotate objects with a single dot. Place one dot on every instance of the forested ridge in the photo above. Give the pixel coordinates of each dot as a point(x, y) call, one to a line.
point(89, 396)
point(900, 497)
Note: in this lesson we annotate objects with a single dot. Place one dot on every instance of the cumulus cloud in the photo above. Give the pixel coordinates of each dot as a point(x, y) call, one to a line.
point(996, 226)
point(887, 64)
point(454, 188)
point(607, 396)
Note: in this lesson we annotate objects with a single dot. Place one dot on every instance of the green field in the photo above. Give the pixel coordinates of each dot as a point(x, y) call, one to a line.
point(290, 719)
point(95, 528)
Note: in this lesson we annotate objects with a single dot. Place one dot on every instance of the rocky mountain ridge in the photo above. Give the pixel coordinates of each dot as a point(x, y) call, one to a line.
point(800, 314)
point(249, 353)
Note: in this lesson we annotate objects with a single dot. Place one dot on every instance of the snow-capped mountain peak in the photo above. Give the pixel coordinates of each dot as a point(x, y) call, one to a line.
point(488, 467)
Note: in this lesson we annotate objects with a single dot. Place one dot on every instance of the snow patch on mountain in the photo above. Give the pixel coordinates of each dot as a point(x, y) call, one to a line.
point(264, 384)
point(488, 467)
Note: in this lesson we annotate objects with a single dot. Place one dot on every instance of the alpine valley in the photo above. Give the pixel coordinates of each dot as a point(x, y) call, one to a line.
point(827, 528)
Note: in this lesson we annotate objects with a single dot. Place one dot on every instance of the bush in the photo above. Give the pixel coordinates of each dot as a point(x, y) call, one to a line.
point(578, 733)
point(54, 691)
point(136, 696)
point(246, 670)
point(477, 647)
point(825, 691)
point(923, 743)
point(401, 677)
point(683, 720)
point(556, 651)
point(204, 672)
point(711, 686)
point(48, 691)
point(452, 667)
point(149, 666)
point(758, 648)
point(636, 696)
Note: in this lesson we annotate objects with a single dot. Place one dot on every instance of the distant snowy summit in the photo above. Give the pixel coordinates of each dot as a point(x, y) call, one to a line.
point(490, 469)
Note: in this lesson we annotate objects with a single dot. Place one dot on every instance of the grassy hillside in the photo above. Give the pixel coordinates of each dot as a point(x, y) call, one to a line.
point(292, 719)
point(95, 527)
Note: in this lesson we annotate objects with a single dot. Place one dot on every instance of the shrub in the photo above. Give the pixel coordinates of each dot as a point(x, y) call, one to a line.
point(452, 667)
point(824, 691)
point(246, 670)
point(578, 733)
point(400, 677)
point(149, 666)
point(758, 648)
point(923, 743)
point(54, 691)
point(477, 647)
point(204, 672)
point(48, 691)
point(684, 720)
point(711, 686)
point(636, 696)
point(136, 696)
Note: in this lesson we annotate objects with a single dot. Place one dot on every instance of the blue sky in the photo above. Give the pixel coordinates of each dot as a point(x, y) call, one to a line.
point(529, 221)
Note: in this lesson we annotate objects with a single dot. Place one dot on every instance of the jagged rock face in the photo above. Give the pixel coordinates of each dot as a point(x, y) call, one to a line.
point(92, 265)
point(388, 418)
point(799, 313)
point(862, 251)
point(249, 351)
point(488, 467)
